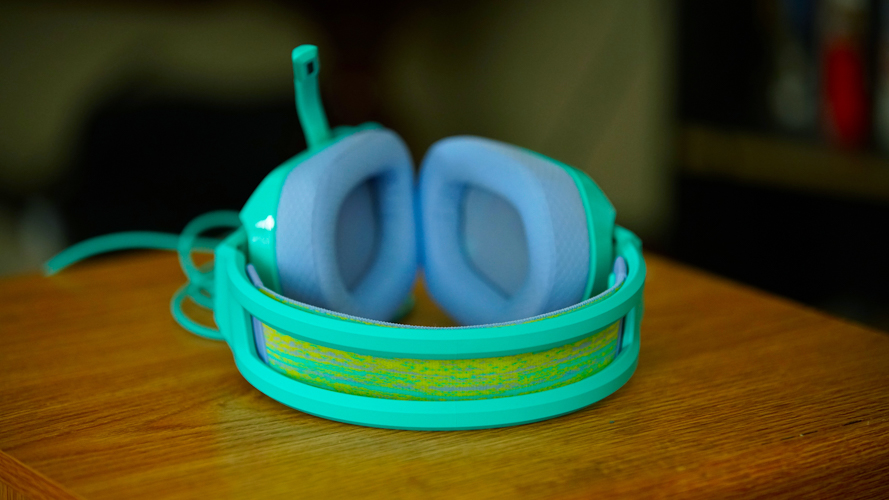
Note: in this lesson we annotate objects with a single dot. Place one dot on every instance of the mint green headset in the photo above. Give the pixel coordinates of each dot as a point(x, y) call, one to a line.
point(519, 248)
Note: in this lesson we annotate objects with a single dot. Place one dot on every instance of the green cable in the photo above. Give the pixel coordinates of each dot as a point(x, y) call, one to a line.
point(130, 240)
point(199, 285)
point(186, 322)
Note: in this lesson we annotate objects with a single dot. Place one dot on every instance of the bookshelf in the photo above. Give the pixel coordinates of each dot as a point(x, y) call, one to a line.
point(784, 163)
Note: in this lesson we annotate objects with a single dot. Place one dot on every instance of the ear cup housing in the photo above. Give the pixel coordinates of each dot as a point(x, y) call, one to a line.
point(344, 228)
point(505, 231)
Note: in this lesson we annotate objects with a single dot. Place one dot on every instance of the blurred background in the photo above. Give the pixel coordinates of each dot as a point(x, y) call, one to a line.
point(750, 139)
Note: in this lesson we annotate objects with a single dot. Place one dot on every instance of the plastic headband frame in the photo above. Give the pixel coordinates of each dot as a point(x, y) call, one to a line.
point(238, 301)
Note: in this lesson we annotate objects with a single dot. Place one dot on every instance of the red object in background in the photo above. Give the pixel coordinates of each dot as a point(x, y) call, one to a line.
point(845, 96)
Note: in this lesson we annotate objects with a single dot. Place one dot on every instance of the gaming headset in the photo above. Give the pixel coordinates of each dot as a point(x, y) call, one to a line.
point(518, 247)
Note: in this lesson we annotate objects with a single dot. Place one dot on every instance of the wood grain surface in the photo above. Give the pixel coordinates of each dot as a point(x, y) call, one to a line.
point(20, 482)
point(737, 394)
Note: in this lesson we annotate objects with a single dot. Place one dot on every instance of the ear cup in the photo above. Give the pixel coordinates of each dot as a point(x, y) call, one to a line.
point(346, 237)
point(505, 231)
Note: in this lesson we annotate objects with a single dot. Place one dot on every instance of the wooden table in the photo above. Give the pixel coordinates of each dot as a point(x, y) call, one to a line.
point(737, 394)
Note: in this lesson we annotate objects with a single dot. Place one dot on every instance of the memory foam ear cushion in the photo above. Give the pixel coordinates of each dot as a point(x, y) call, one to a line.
point(480, 201)
point(346, 235)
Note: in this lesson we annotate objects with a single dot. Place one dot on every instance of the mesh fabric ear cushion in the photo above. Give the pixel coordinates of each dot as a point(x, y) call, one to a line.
point(345, 235)
point(504, 231)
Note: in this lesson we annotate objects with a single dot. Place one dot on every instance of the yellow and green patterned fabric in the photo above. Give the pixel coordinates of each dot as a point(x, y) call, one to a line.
point(440, 379)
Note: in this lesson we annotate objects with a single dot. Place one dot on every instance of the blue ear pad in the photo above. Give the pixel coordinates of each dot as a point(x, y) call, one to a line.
point(504, 231)
point(345, 236)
